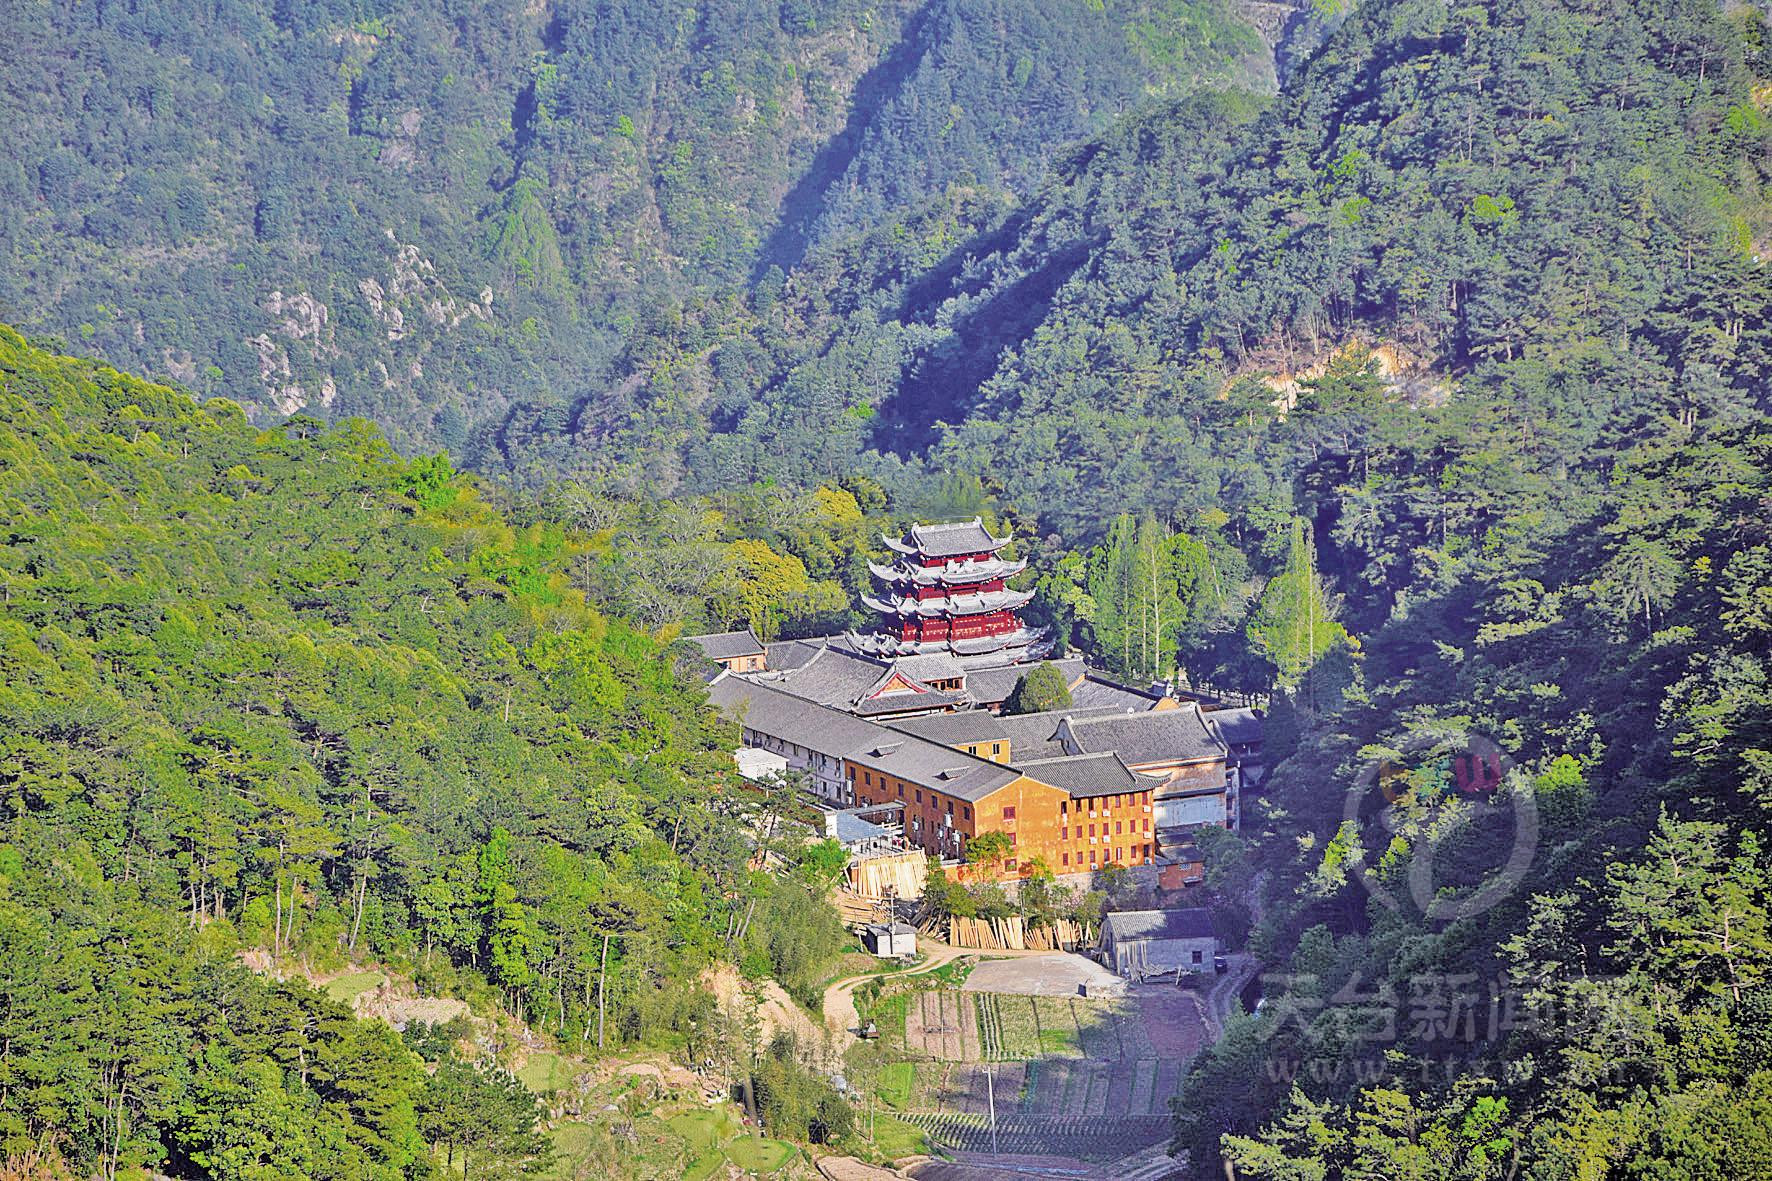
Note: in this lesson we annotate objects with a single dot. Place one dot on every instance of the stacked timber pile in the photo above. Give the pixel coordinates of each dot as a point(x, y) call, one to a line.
point(897, 875)
point(1012, 933)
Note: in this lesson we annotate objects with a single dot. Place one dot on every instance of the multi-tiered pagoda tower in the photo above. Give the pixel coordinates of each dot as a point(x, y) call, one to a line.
point(948, 594)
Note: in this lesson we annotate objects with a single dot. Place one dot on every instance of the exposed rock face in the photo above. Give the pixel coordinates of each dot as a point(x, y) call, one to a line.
point(292, 356)
point(298, 355)
point(1407, 376)
point(413, 286)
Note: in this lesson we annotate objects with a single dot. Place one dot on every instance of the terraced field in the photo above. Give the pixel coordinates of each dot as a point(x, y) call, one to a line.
point(1070, 1076)
point(1072, 1136)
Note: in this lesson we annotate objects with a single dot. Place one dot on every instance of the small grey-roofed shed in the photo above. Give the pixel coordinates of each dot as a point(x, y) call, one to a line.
point(890, 939)
point(1140, 943)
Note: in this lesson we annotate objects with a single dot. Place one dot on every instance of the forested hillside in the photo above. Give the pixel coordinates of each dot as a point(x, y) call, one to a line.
point(425, 212)
point(1431, 393)
point(1568, 977)
point(1557, 212)
point(1482, 298)
point(282, 692)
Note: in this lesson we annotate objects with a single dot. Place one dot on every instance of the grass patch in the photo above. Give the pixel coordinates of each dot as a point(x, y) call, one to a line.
point(889, 1015)
point(759, 1154)
point(572, 1143)
point(894, 1138)
point(896, 1082)
point(348, 988)
point(853, 963)
point(546, 1071)
point(951, 974)
point(704, 1166)
point(705, 1129)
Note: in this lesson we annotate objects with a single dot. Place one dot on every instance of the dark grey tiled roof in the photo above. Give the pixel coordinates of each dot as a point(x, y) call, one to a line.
point(952, 539)
point(989, 686)
point(842, 679)
point(898, 703)
point(1036, 736)
point(791, 654)
point(834, 676)
point(1236, 727)
point(728, 645)
point(1097, 691)
point(768, 710)
point(1192, 923)
point(970, 725)
point(1155, 736)
point(934, 667)
point(952, 772)
point(784, 716)
point(1086, 775)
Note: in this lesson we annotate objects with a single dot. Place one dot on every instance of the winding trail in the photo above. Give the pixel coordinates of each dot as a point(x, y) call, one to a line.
point(840, 1015)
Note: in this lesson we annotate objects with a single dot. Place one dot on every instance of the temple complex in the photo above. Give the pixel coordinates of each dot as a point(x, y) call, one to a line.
point(906, 719)
point(947, 594)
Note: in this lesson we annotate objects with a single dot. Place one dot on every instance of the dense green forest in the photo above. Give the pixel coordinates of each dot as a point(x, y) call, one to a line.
point(283, 692)
point(1431, 393)
point(1605, 1010)
point(426, 212)
point(1558, 210)
point(1481, 301)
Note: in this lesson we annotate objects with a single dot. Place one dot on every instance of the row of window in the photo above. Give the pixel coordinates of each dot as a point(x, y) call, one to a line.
point(1108, 803)
point(867, 778)
point(1064, 832)
point(1139, 855)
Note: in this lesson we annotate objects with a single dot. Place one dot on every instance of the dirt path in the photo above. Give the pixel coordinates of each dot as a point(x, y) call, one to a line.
point(839, 999)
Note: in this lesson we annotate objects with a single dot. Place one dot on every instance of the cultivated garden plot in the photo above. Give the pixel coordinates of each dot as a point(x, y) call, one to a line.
point(1069, 1075)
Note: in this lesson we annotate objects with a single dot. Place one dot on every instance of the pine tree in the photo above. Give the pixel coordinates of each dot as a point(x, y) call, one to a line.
point(1293, 624)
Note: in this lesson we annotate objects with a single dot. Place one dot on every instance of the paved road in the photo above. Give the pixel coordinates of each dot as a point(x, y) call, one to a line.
point(1222, 999)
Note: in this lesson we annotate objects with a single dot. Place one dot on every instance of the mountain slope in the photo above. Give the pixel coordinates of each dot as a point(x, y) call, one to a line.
point(1561, 209)
point(282, 692)
point(427, 212)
